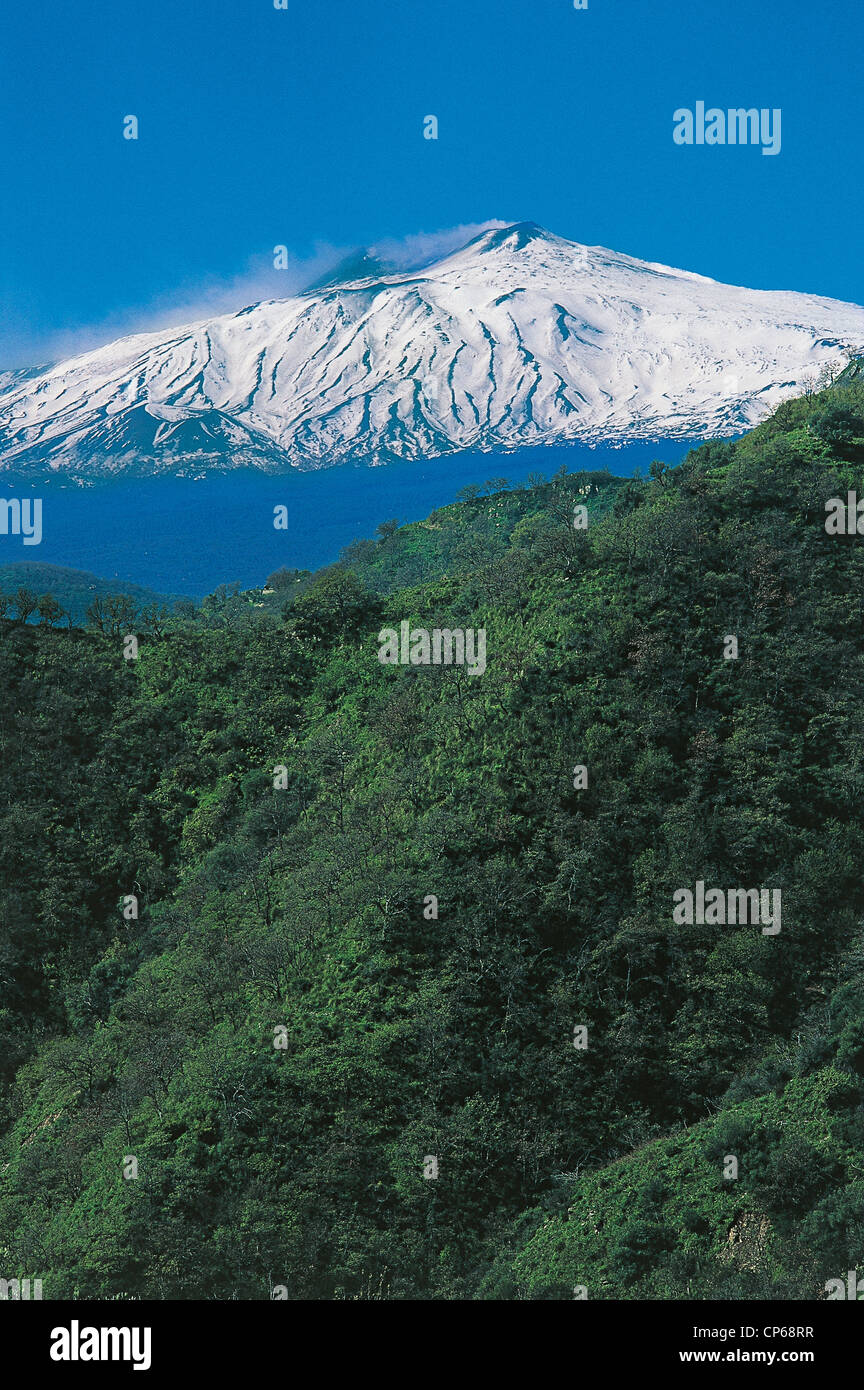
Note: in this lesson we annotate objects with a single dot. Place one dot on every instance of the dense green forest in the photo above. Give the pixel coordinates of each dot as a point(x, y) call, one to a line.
point(286, 1032)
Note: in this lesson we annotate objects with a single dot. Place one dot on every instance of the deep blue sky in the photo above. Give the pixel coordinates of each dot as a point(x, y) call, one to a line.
point(304, 127)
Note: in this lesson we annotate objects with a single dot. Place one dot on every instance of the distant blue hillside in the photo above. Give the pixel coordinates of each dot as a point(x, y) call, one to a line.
point(186, 536)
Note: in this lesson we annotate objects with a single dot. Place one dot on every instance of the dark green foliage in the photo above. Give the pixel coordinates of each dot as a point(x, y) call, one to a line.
point(300, 906)
point(72, 590)
point(837, 426)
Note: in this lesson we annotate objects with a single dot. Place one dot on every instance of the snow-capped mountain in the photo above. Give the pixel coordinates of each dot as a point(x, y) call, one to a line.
point(521, 337)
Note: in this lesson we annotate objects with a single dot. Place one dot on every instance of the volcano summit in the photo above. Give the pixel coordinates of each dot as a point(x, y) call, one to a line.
point(519, 338)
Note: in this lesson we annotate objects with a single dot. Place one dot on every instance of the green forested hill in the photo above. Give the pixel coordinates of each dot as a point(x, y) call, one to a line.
point(300, 915)
point(74, 590)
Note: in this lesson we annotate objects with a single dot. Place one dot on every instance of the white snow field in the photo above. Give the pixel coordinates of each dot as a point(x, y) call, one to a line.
point(520, 338)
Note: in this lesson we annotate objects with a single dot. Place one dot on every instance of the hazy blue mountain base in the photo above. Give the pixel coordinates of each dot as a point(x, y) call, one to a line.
point(235, 1027)
point(184, 535)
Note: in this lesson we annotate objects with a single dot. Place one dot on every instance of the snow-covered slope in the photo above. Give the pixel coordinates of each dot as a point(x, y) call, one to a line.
point(520, 338)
